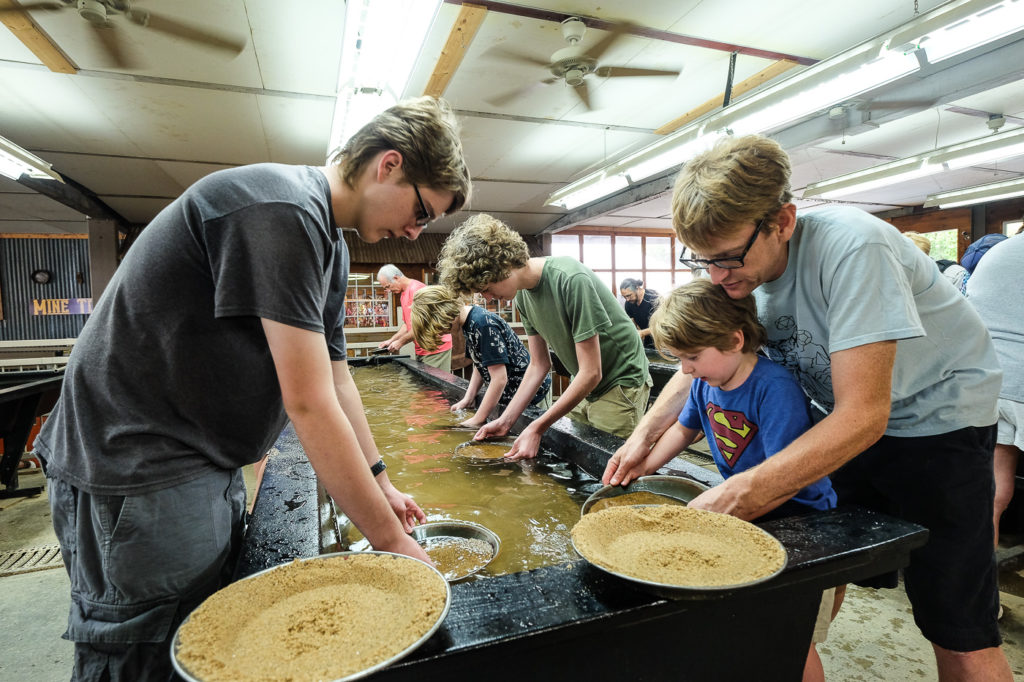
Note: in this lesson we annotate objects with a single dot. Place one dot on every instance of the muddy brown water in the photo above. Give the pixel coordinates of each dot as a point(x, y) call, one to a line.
point(532, 506)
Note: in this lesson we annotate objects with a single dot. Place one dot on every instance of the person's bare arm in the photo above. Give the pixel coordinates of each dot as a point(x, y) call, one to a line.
point(588, 355)
point(659, 417)
point(861, 383)
point(408, 512)
point(540, 365)
point(668, 446)
point(476, 380)
point(403, 336)
point(499, 379)
point(308, 390)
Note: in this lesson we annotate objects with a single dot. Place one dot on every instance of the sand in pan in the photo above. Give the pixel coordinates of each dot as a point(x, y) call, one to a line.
point(678, 546)
point(627, 499)
point(321, 619)
point(458, 557)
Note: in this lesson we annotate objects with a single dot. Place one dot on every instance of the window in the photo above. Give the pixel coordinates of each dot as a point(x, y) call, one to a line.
point(647, 255)
point(1010, 227)
point(944, 245)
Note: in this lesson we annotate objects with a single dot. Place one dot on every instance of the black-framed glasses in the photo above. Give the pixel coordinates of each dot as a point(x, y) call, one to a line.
point(423, 217)
point(728, 263)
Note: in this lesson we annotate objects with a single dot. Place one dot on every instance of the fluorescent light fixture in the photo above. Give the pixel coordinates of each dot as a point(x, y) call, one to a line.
point(944, 32)
point(960, 26)
point(15, 162)
point(995, 191)
point(667, 153)
point(816, 89)
point(379, 47)
point(590, 188)
point(963, 155)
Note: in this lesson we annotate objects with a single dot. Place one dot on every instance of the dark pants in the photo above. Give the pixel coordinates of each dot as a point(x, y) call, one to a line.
point(139, 565)
point(945, 484)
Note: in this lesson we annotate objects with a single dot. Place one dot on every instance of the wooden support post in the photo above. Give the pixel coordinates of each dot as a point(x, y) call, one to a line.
point(103, 245)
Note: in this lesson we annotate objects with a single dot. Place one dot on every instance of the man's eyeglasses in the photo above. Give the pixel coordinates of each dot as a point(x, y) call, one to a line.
point(728, 263)
point(423, 217)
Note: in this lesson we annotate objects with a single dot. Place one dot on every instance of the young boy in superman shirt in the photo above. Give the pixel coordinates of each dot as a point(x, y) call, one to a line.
point(748, 407)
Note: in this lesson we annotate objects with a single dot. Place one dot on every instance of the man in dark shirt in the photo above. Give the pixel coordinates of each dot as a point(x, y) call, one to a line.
point(640, 303)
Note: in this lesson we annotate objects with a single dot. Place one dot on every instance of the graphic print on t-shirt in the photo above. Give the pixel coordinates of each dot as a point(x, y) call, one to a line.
point(809, 362)
point(733, 431)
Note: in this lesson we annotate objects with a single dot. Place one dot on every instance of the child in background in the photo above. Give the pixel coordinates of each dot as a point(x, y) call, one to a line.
point(748, 407)
point(499, 357)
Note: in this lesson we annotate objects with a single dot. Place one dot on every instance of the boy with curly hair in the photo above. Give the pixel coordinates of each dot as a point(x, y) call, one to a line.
point(564, 307)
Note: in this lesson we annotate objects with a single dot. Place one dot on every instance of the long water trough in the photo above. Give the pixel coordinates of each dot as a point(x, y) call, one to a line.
point(544, 611)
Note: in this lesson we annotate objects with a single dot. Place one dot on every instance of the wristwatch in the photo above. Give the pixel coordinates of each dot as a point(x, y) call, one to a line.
point(378, 467)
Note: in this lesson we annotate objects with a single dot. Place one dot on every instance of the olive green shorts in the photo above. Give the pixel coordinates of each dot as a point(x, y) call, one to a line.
point(617, 411)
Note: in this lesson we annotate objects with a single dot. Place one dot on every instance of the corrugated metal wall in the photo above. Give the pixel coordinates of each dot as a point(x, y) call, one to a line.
point(67, 259)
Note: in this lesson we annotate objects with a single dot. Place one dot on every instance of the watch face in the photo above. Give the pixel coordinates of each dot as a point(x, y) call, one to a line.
point(41, 276)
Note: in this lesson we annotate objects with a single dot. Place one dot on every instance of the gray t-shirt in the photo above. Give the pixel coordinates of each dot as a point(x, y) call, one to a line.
point(996, 289)
point(172, 375)
point(853, 279)
point(569, 305)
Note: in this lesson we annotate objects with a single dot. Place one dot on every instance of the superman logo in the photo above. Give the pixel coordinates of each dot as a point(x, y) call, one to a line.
point(733, 432)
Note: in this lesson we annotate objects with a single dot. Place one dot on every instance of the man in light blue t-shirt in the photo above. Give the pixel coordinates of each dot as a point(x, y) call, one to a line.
point(897, 363)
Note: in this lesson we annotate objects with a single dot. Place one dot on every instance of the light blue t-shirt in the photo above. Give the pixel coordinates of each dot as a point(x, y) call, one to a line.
point(996, 290)
point(853, 279)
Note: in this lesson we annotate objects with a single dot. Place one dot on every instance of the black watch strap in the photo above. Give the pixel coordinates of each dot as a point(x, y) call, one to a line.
point(378, 467)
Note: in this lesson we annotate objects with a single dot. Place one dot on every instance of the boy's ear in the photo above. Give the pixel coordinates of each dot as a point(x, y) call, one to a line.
point(739, 339)
point(388, 163)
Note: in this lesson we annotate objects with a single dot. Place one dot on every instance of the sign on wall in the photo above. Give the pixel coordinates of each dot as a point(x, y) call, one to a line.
point(62, 306)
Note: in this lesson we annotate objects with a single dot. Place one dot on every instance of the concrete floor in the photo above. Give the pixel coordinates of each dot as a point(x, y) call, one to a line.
point(873, 638)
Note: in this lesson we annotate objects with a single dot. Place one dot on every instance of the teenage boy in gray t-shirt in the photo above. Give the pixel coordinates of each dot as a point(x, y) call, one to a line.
point(225, 320)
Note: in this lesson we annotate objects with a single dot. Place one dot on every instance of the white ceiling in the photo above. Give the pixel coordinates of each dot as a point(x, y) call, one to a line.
point(137, 137)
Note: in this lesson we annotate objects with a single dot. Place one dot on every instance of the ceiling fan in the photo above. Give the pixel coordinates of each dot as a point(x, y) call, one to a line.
point(100, 15)
point(573, 64)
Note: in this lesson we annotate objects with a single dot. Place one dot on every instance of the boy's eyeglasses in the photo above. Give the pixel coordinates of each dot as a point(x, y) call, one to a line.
point(423, 217)
point(729, 263)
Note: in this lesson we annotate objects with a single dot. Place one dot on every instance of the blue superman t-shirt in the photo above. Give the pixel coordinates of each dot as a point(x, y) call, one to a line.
point(753, 421)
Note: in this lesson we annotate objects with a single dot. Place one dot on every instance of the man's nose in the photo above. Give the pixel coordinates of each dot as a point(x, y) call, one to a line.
point(717, 274)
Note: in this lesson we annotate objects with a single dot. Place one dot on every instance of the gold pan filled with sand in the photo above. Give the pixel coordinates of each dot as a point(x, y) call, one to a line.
point(678, 547)
point(336, 617)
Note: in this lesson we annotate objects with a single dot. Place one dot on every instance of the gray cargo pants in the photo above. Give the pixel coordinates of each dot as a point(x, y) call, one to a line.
point(139, 564)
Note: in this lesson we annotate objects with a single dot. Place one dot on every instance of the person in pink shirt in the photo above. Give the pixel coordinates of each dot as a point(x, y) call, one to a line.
point(392, 279)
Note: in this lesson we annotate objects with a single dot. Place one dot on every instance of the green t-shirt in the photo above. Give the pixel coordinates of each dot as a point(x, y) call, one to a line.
point(569, 305)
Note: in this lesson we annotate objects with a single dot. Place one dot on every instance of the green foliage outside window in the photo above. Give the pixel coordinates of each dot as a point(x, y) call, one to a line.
point(943, 245)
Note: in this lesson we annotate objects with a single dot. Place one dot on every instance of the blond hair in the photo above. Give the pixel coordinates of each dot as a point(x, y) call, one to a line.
point(699, 314)
point(434, 308)
point(479, 252)
point(424, 131)
point(920, 241)
point(739, 180)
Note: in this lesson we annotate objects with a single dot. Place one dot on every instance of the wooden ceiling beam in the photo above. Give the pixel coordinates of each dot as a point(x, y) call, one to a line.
point(459, 39)
point(34, 38)
point(757, 80)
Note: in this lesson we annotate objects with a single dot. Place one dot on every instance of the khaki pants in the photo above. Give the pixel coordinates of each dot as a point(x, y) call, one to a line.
point(618, 411)
point(442, 360)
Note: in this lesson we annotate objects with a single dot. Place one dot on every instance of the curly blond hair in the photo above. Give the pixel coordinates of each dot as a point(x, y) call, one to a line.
point(424, 131)
point(739, 180)
point(479, 252)
point(434, 308)
point(699, 314)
